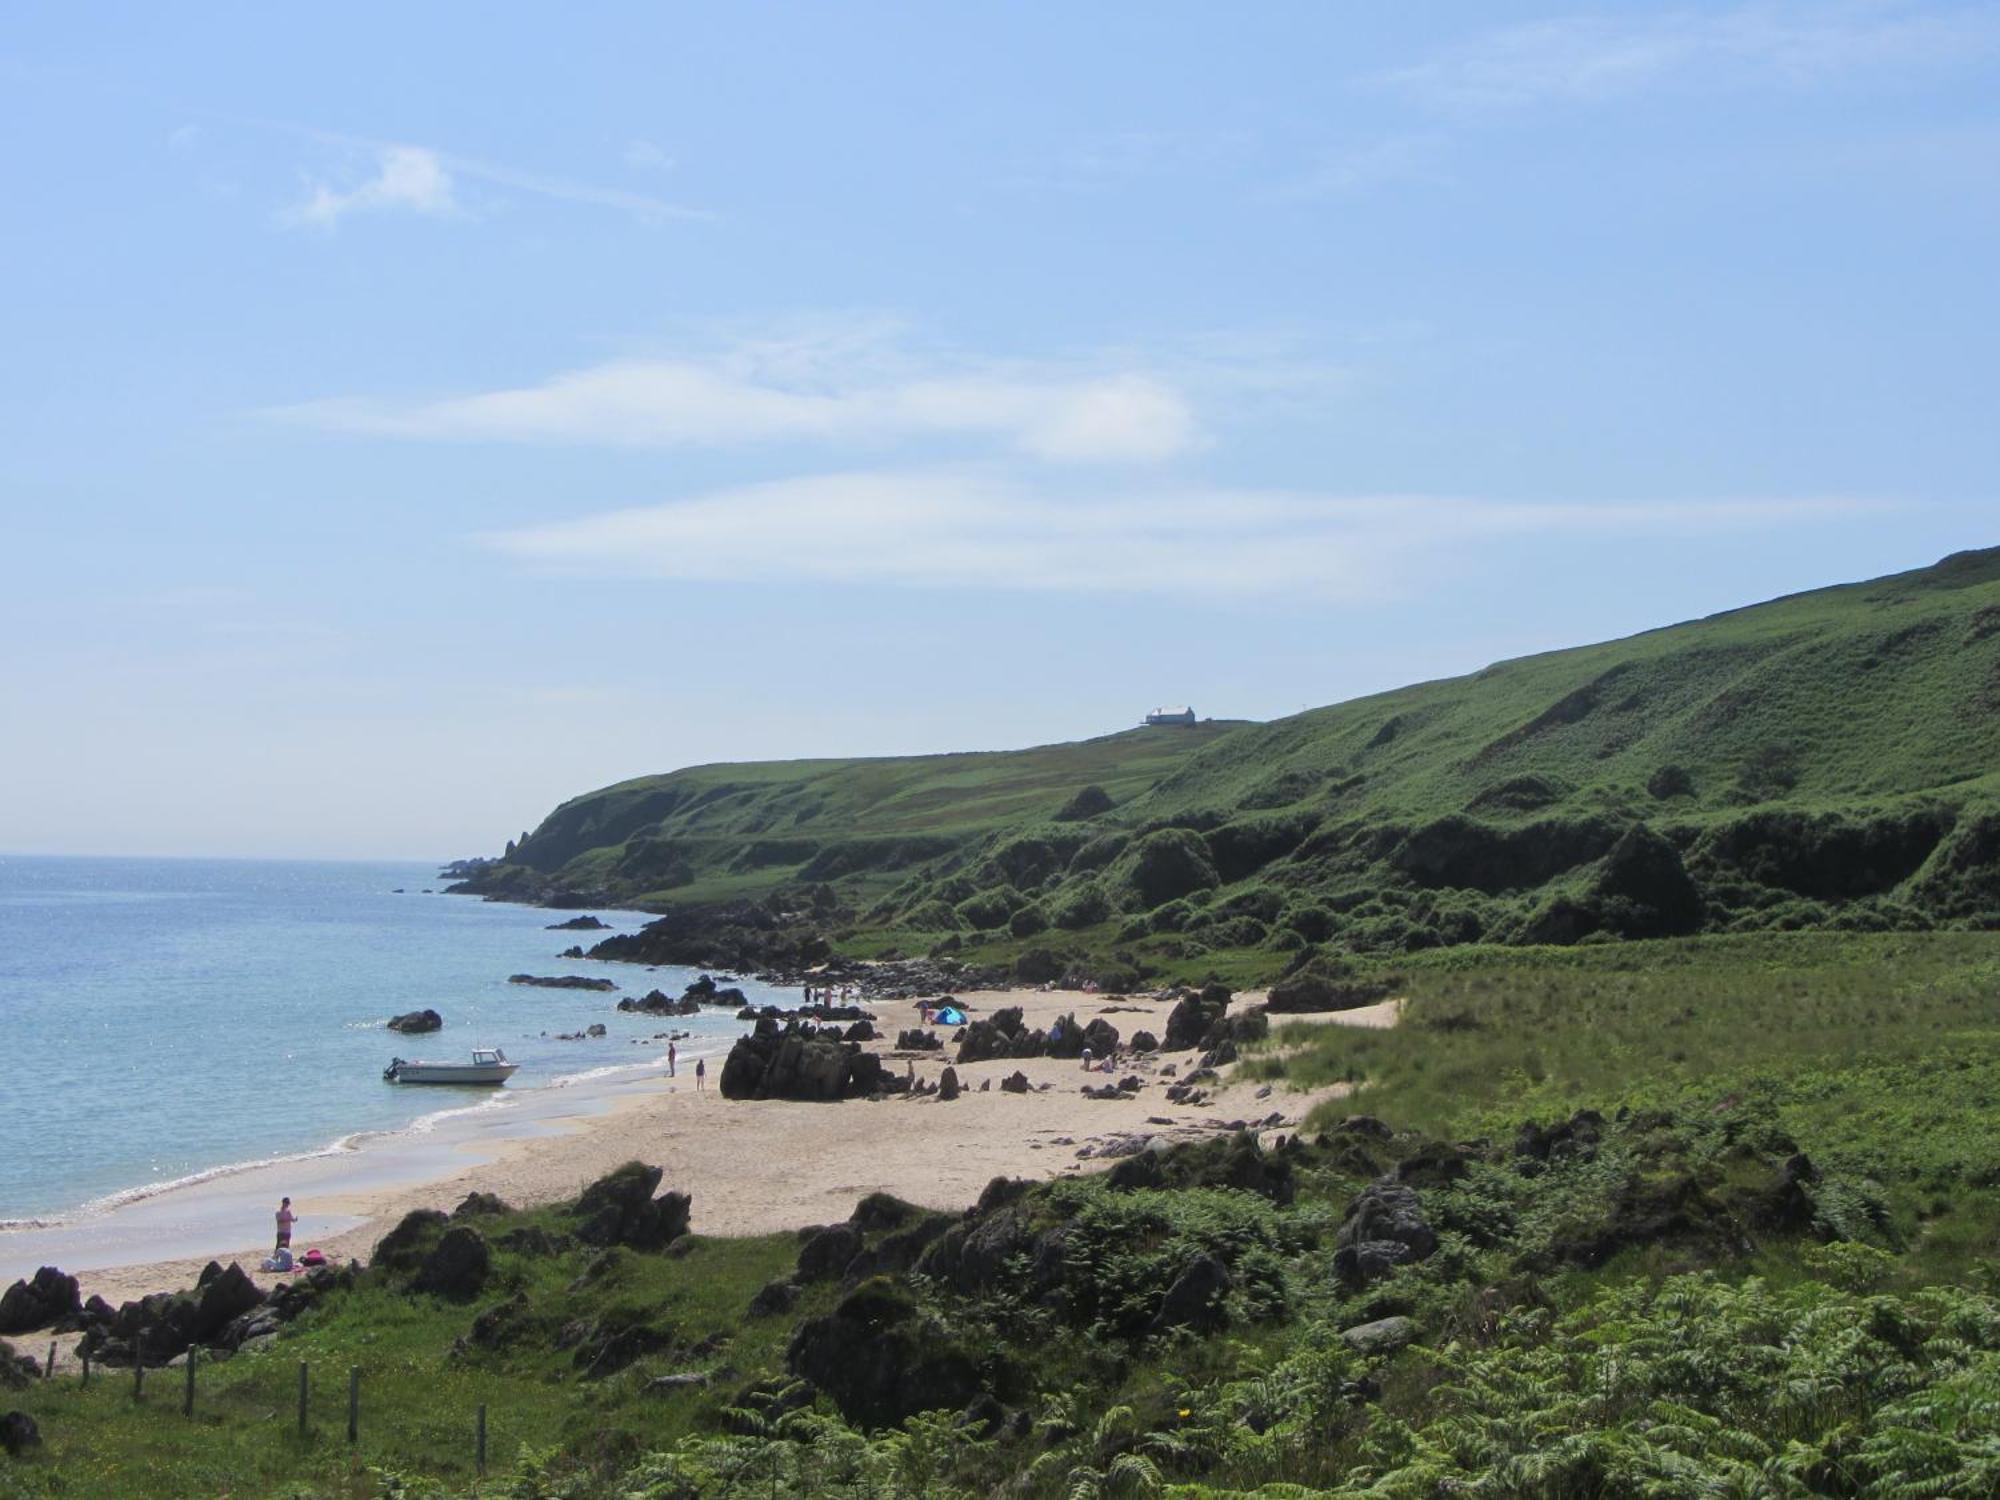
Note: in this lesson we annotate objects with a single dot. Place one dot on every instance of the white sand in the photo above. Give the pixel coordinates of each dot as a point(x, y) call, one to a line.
point(760, 1167)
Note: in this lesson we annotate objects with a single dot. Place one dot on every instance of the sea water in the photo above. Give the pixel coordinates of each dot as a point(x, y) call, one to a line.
point(162, 1020)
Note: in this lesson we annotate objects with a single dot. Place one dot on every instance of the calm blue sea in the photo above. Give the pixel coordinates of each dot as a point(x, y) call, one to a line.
point(161, 1019)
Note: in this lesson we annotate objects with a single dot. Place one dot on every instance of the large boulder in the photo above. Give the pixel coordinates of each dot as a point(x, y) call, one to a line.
point(402, 1250)
point(1192, 1019)
point(947, 1085)
point(457, 1268)
point(17, 1370)
point(620, 1209)
point(826, 1255)
point(879, 1361)
point(44, 1298)
point(1385, 1228)
point(416, 1022)
point(18, 1433)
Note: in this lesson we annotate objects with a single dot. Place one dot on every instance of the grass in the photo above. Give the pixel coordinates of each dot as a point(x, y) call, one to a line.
point(1537, 1372)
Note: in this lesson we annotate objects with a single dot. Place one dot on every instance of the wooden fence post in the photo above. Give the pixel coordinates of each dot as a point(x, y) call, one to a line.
point(302, 1398)
point(187, 1397)
point(354, 1404)
point(85, 1357)
point(49, 1370)
point(480, 1455)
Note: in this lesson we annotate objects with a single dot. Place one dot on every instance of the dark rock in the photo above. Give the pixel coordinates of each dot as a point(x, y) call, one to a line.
point(1385, 1227)
point(1145, 1041)
point(1432, 1165)
point(17, 1370)
point(827, 1253)
point(457, 1268)
point(18, 1433)
point(880, 1211)
point(402, 1250)
point(44, 1298)
point(416, 1022)
point(501, 1325)
point(532, 1239)
point(984, 1416)
point(620, 1209)
point(563, 982)
point(775, 1298)
point(878, 1361)
point(1195, 1299)
point(948, 1085)
point(918, 1040)
point(860, 1031)
point(577, 924)
point(1014, 1083)
point(481, 1206)
point(1190, 1021)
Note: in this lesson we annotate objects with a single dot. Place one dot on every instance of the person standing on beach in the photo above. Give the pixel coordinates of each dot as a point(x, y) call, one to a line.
point(286, 1219)
point(700, 1071)
point(671, 1055)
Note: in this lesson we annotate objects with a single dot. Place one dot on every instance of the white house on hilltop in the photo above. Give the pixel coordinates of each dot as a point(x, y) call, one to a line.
point(1159, 716)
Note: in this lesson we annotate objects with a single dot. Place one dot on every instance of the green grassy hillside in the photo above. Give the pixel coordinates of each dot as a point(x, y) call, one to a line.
point(1831, 759)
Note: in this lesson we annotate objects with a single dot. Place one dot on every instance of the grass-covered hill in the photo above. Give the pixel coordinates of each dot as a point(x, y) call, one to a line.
point(1831, 759)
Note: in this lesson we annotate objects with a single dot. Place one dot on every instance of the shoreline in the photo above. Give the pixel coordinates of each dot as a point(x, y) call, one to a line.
point(752, 1167)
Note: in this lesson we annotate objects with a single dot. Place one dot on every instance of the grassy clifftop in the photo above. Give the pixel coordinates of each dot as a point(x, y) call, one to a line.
point(1827, 759)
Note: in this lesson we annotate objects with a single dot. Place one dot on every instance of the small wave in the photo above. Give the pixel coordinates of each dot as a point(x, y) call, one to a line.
point(340, 1146)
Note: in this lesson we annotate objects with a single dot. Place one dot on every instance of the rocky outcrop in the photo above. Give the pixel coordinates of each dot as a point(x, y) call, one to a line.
point(17, 1370)
point(659, 1003)
point(562, 981)
point(1383, 1336)
point(789, 1064)
point(159, 1327)
point(620, 1209)
point(577, 924)
point(879, 1361)
point(46, 1298)
point(416, 1022)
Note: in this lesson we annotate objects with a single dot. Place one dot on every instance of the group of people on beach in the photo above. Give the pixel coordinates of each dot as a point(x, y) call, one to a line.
point(280, 1258)
point(827, 994)
point(700, 1067)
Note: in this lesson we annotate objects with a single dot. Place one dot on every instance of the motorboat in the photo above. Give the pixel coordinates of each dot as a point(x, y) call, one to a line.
point(488, 1065)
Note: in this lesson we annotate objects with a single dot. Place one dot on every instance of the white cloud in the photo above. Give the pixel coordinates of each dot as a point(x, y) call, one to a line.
point(954, 529)
point(645, 156)
point(409, 177)
point(841, 388)
point(1593, 57)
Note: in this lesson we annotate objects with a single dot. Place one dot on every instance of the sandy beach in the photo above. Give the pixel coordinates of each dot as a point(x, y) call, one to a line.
point(753, 1167)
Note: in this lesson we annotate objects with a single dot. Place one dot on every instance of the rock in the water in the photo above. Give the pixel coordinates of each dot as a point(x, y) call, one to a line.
point(563, 982)
point(577, 924)
point(458, 1267)
point(1383, 1336)
point(18, 1433)
point(44, 1298)
point(620, 1209)
point(416, 1022)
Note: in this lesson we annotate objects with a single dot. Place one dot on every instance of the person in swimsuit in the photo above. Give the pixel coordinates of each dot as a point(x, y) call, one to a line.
point(700, 1071)
point(286, 1219)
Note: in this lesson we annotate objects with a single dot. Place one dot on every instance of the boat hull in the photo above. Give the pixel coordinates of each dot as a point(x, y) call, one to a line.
point(452, 1073)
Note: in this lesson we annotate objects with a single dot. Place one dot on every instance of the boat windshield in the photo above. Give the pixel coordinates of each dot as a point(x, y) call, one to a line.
point(479, 1056)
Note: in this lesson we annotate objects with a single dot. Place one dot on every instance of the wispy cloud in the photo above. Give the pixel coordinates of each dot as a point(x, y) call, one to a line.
point(405, 177)
point(951, 529)
point(1594, 57)
point(836, 390)
point(1359, 165)
point(426, 180)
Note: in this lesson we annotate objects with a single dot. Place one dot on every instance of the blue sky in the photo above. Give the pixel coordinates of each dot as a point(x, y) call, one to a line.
point(413, 416)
